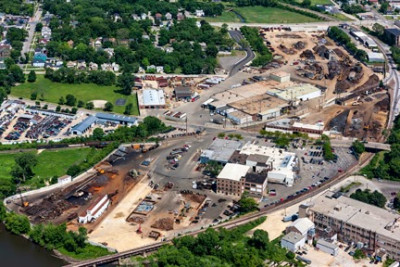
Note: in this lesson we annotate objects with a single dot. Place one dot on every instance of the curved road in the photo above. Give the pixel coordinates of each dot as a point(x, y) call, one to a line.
point(237, 36)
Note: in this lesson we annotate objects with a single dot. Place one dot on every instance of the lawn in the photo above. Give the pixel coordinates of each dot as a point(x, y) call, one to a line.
point(88, 252)
point(51, 92)
point(318, 2)
point(227, 16)
point(50, 163)
point(259, 14)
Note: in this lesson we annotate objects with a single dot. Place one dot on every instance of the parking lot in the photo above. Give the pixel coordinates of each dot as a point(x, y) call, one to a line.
point(314, 170)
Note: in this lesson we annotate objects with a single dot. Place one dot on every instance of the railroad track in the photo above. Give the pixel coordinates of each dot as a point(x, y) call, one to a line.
point(231, 224)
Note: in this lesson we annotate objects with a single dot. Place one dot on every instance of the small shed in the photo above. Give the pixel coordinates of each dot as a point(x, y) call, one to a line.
point(327, 247)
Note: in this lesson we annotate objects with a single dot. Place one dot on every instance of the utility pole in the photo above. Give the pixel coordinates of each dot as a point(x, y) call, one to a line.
point(186, 124)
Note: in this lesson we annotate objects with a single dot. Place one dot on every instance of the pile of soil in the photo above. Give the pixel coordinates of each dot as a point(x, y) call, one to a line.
point(166, 224)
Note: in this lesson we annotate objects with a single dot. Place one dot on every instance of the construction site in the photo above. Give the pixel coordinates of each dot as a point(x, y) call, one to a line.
point(110, 179)
point(353, 103)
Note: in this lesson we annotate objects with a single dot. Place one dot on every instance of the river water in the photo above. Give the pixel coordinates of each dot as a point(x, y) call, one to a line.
point(20, 252)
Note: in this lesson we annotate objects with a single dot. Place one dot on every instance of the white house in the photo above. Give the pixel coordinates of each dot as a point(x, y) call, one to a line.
point(199, 13)
point(293, 241)
point(95, 210)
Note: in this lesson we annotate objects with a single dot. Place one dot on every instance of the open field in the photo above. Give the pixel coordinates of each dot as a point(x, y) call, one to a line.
point(86, 92)
point(258, 14)
point(318, 2)
point(50, 163)
point(227, 16)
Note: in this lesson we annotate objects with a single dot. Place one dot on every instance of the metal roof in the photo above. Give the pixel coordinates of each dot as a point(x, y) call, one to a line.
point(393, 31)
point(114, 117)
point(153, 97)
point(85, 124)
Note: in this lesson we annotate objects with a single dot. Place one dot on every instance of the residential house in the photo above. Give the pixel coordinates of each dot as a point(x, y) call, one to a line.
point(81, 65)
point(39, 60)
point(5, 51)
point(180, 16)
point(168, 16)
point(93, 66)
point(199, 13)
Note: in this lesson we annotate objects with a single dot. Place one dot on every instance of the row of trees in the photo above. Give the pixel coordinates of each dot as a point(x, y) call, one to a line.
point(69, 75)
point(223, 248)
point(257, 44)
point(342, 38)
point(375, 198)
point(49, 236)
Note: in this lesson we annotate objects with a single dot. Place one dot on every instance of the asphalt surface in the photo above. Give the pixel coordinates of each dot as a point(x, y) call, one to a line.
point(237, 36)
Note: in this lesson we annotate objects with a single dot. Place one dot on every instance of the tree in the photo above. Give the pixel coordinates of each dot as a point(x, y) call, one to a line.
point(17, 74)
point(358, 254)
point(32, 76)
point(98, 134)
point(221, 135)
point(34, 96)
point(384, 7)
point(22, 169)
point(108, 106)
point(38, 27)
point(58, 108)
point(61, 101)
point(17, 224)
point(247, 204)
point(375, 198)
point(128, 109)
point(89, 105)
point(73, 170)
point(126, 81)
point(70, 100)
point(358, 147)
point(213, 167)
point(306, 3)
point(259, 240)
point(80, 104)
point(3, 95)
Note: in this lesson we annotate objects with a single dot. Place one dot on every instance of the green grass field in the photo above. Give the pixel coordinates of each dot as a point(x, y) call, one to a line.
point(50, 163)
point(318, 2)
point(85, 91)
point(258, 14)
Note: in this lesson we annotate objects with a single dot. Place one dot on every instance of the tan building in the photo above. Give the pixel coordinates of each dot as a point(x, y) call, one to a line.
point(234, 179)
point(354, 221)
point(280, 76)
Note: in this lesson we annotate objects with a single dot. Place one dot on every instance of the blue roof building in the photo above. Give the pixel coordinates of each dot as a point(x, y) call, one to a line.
point(84, 125)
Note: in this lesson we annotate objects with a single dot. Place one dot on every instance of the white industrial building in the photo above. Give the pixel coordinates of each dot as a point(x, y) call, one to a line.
point(151, 99)
point(280, 76)
point(95, 210)
point(296, 93)
point(327, 247)
point(293, 241)
point(64, 179)
point(364, 39)
point(301, 226)
point(282, 165)
point(375, 57)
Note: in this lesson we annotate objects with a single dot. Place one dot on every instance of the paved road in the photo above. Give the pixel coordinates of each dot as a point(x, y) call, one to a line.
point(237, 36)
point(34, 20)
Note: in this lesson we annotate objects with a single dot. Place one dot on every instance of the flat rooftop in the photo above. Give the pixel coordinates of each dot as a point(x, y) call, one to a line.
point(280, 74)
point(233, 172)
point(259, 104)
point(359, 214)
point(221, 149)
point(294, 92)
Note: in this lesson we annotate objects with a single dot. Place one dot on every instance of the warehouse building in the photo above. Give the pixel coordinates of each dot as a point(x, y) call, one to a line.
point(84, 125)
point(119, 119)
point(375, 57)
point(296, 93)
point(327, 247)
point(374, 228)
point(280, 76)
point(95, 210)
point(220, 151)
point(364, 39)
point(151, 99)
point(393, 36)
point(282, 165)
point(183, 92)
point(293, 241)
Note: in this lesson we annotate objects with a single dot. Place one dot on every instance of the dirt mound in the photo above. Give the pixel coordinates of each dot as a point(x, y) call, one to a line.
point(334, 69)
point(299, 45)
point(383, 105)
point(308, 54)
point(195, 197)
point(322, 51)
point(166, 224)
point(342, 86)
point(339, 52)
point(339, 122)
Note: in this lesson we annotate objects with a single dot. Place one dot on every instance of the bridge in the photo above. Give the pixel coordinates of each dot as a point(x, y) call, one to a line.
point(369, 147)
